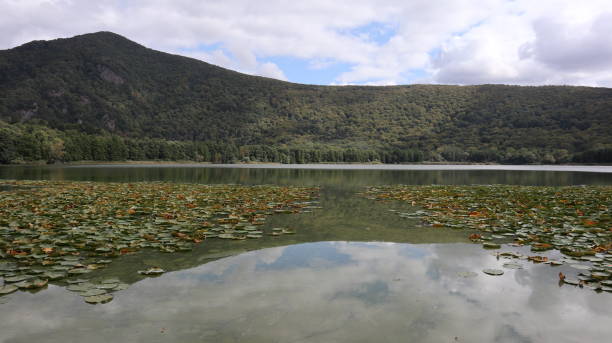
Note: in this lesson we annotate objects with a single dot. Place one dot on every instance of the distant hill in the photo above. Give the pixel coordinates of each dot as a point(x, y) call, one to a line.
point(104, 87)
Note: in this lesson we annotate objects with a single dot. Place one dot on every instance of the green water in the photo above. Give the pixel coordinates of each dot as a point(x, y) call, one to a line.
point(354, 272)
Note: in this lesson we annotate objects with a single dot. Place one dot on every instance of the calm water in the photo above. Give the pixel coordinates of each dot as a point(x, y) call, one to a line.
point(354, 272)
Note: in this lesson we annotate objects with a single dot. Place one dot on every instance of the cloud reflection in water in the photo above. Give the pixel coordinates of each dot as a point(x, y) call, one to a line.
point(326, 292)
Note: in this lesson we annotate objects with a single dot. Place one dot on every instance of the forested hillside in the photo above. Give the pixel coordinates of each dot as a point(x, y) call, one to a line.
point(103, 97)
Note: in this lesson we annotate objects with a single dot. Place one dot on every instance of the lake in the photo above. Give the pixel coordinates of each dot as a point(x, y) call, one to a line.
point(353, 272)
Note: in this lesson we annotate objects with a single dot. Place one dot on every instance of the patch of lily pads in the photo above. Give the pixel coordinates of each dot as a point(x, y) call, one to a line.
point(60, 230)
point(575, 220)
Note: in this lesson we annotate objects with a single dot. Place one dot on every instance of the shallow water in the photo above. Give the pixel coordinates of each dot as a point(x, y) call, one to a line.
point(353, 272)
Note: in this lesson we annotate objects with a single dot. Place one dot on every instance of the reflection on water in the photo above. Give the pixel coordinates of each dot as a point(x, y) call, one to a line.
point(355, 176)
point(327, 292)
point(293, 290)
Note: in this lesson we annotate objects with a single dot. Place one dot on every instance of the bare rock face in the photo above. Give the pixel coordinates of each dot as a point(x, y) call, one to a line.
point(56, 92)
point(83, 100)
point(109, 123)
point(29, 113)
point(108, 75)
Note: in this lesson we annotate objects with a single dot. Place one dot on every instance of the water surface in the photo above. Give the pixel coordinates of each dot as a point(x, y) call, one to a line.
point(354, 272)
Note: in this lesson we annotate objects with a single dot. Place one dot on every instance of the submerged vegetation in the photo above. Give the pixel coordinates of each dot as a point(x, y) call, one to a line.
point(51, 230)
point(576, 220)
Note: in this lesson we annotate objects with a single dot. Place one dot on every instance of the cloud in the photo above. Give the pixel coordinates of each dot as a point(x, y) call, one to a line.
point(383, 42)
point(582, 47)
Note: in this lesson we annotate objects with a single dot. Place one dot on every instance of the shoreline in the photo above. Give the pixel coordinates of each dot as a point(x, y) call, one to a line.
point(188, 162)
point(604, 169)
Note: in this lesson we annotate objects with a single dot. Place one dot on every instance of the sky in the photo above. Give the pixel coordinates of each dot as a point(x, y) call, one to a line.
point(340, 42)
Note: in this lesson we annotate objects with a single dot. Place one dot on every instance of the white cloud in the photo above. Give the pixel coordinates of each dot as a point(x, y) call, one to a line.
point(463, 41)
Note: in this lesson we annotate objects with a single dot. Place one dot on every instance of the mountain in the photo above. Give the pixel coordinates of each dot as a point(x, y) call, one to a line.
point(104, 85)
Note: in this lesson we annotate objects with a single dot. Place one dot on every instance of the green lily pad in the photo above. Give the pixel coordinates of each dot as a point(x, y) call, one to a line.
point(99, 299)
point(54, 276)
point(6, 289)
point(18, 278)
point(8, 267)
point(107, 286)
point(81, 287)
point(600, 275)
point(580, 266)
point(77, 271)
point(31, 284)
point(489, 245)
point(571, 281)
point(121, 287)
point(493, 271)
point(93, 292)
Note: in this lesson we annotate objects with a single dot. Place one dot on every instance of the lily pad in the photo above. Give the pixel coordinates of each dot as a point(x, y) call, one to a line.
point(31, 284)
point(107, 286)
point(493, 271)
point(93, 292)
point(54, 276)
point(121, 287)
point(17, 278)
point(82, 287)
point(580, 266)
point(6, 289)
point(571, 281)
point(77, 271)
point(152, 271)
point(99, 299)
point(8, 267)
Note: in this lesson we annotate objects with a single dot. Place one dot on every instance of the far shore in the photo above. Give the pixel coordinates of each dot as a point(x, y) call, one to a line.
point(599, 168)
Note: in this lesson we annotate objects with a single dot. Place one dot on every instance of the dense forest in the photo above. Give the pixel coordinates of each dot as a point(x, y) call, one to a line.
point(103, 97)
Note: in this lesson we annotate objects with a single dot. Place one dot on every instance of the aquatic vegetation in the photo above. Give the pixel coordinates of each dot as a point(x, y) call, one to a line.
point(53, 230)
point(577, 220)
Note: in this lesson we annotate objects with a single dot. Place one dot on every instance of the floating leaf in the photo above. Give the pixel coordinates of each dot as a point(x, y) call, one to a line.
point(571, 281)
point(17, 278)
point(107, 286)
point(488, 245)
point(493, 271)
point(99, 299)
point(6, 289)
point(152, 271)
point(93, 292)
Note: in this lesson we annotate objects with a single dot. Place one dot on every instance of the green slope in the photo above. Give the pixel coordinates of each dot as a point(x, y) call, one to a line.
point(103, 83)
